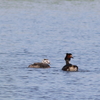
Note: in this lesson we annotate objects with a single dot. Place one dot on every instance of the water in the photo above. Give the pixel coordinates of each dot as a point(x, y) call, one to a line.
point(33, 30)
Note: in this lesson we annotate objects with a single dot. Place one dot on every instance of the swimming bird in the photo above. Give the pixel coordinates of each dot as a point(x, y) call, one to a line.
point(68, 57)
point(44, 64)
point(68, 66)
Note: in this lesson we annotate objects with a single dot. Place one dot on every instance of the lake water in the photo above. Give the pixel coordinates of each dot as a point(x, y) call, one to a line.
point(31, 30)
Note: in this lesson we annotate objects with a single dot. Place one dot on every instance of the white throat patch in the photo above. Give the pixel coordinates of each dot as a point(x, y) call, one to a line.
point(46, 61)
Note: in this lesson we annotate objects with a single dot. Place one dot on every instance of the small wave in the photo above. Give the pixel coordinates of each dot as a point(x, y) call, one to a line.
point(82, 70)
point(1, 53)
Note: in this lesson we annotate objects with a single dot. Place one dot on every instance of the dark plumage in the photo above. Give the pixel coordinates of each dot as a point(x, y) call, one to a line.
point(68, 57)
point(68, 66)
point(39, 65)
point(44, 64)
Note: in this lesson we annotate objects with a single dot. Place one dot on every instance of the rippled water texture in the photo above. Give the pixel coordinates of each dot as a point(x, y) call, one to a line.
point(31, 30)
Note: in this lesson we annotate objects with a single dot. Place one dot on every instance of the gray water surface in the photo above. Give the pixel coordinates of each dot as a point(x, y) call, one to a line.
point(31, 30)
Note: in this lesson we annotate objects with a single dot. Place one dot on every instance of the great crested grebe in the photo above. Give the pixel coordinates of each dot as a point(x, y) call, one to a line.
point(44, 64)
point(68, 66)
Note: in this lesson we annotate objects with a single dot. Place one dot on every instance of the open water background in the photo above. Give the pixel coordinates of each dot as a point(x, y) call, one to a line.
point(31, 30)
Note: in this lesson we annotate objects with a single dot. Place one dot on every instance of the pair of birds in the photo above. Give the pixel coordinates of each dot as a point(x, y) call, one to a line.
point(45, 64)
